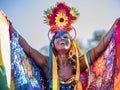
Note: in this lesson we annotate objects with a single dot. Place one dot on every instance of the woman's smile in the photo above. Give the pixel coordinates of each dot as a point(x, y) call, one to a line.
point(62, 43)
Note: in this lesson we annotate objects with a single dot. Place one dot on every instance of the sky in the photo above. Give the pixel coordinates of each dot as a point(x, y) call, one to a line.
point(27, 17)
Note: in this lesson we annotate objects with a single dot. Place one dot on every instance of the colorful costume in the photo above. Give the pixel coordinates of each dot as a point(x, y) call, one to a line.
point(103, 69)
point(24, 73)
point(101, 74)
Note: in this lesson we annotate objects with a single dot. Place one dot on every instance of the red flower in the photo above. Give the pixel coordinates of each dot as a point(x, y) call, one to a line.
point(61, 7)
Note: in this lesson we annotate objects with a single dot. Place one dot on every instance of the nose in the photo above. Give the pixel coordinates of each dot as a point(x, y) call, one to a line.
point(62, 37)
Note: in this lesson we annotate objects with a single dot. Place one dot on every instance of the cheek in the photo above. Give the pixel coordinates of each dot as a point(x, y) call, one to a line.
point(56, 43)
point(69, 44)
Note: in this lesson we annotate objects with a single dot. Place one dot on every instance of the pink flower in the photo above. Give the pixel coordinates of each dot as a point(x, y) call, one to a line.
point(99, 66)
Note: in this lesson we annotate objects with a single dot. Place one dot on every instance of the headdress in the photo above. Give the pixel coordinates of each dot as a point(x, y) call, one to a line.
point(61, 17)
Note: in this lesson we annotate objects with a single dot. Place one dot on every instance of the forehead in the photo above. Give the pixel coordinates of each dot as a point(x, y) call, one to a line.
point(60, 33)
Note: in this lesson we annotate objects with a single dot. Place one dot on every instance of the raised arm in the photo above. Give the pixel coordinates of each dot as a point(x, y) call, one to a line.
point(40, 59)
point(99, 49)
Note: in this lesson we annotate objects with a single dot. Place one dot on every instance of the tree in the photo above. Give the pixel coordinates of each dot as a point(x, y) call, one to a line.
point(44, 50)
point(97, 35)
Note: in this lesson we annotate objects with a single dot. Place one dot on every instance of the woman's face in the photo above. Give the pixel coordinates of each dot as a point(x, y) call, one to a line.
point(62, 41)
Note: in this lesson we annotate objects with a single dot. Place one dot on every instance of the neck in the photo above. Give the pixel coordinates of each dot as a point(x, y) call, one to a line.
point(62, 59)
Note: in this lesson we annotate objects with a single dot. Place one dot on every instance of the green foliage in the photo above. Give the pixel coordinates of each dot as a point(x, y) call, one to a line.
point(46, 13)
point(74, 12)
point(44, 50)
point(97, 35)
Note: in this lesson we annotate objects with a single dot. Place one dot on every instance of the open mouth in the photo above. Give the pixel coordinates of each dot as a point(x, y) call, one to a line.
point(62, 43)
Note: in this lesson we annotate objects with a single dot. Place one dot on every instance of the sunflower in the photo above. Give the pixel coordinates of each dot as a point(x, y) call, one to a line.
point(61, 19)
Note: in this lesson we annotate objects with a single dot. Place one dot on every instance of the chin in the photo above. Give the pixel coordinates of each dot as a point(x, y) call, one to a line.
point(62, 49)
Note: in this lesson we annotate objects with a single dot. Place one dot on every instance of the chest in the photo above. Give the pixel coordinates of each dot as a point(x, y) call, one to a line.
point(65, 72)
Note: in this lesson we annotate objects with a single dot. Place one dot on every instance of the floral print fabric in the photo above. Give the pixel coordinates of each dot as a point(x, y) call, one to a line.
point(102, 70)
point(25, 73)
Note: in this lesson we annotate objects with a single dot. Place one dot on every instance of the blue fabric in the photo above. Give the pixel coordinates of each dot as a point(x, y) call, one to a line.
point(83, 79)
point(50, 67)
point(88, 56)
point(25, 73)
point(67, 87)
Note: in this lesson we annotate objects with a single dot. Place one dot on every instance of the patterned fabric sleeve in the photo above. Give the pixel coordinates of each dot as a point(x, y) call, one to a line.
point(105, 71)
point(25, 73)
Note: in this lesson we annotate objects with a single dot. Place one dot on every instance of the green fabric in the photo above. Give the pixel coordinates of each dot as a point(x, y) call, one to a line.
point(3, 80)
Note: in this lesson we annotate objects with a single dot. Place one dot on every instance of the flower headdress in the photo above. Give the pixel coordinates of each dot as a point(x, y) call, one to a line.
point(60, 17)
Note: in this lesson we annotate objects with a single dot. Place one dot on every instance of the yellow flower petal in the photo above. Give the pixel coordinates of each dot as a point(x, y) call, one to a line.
point(61, 19)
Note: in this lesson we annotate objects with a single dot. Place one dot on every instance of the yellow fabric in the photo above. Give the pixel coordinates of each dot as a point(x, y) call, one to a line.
point(54, 74)
point(78, 49)
point(1, 60)
point(12, 87)
point(5, 46)
point(77, 66)
point(78, 86)
point(77, 61)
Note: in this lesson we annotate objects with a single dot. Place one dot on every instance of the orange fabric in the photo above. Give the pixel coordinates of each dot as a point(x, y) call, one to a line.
point(78, 86)
point(117, 82)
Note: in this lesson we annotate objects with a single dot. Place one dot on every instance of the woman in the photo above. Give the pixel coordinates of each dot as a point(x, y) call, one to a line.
point(65, 68)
